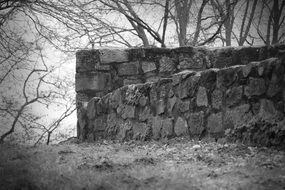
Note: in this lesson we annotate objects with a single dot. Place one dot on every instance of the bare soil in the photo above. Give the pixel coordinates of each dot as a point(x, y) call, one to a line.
point(175, 164)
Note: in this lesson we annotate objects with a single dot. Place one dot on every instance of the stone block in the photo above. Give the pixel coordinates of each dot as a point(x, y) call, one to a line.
point(267, 109)
point(256, 87)
point(145, 114)
point(183, 106)
point(196, 123)
point(92, 108)
point(217, 97)
point(130, 81)
point(86, 60)
point(166, 64)
point(92, 81)
point(128, 111)
point(237, 116)
point(108, 56)
point(156, 127)
point(140, 131)
point(148, 66)
point(160, 108)
point(223, 57)
point(202, 99)
point(214, 123)
point(228, 76)
point(166, 128)
point(234, 95)
point(181, 127)
point(196, 61)
point(171, 103)
point(125, 130)
point(143, 101)
point(187, 88)
point(116, 98)
point(128, 69)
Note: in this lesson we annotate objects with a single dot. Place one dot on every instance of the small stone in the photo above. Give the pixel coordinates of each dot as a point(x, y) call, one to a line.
point(128, 112)
point(196, 123)
point(217, 96)
point(131, 81)
point(124, 131)
point(184, 106)
point(202, 99)
point(196, 146)
point(140, 131)
point(181, 127)
point(267, 109)
point(171, 103)
point(160, 107)
point(234, 95)
point(237, 116)
point(143, 100)
point(256, 87)
point(246, 69)
point(166, 128)
point(148, 66)
point(145, 114)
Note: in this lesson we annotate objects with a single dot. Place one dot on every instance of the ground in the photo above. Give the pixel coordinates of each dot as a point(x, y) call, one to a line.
point(174, 164)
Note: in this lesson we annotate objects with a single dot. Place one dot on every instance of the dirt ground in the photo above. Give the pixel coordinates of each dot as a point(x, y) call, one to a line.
point(175, 164)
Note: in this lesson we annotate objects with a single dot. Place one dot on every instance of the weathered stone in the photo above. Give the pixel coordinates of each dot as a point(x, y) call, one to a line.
point(184, 106)
point(228, 76)
point(100, 123)
point(234, 95)
point(108, 56)
point(181, 127)
point(128, 112)
point(143, 100)
point(187, 88)
point(273, 89)
point(148, 66)
point(166, 65)
point(170, 103)
point(145, 114)
point(128, 69)
point(116, 98)
point(140, 131)
point(102, 67)
point(217, 97)
point(166, 128)
point(202, 99)
point(92, 81)
point(223, 56)
point(125, 129)
point(193, 62)
point(237, 116)
point(156, 127)
point(246, 69)
point(153, 79)
point(256, 86)
point(160, 107)
point(214, 123)
point(129, 81)
point(267, 109)
point(196, 123)
point(86, 60)
point(92, 108)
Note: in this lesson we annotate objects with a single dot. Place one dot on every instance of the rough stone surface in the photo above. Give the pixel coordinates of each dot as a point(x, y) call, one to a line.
point(108, 56)
point(181, 127)
point(128, 69)
point(237, 116)
point(166, 128)
point(256, 86)
point(234, 95)
point(196, 123)
point(148, 66)
point(217, 97)
point(140, 131)
point(215, 124)
point(91, 81)
point(166, 65)
point(202, 99)
point(128, 111)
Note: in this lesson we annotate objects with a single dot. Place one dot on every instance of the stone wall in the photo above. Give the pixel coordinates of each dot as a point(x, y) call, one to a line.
point(155, 93)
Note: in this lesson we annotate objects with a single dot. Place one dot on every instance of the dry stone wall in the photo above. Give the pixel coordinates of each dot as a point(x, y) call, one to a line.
point(155, 93)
